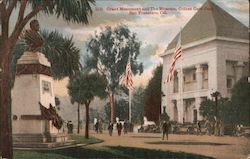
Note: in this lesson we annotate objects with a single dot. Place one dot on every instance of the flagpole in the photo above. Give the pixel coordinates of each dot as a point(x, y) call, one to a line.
point(129, 101)
point(181, 87)
point(130, 106)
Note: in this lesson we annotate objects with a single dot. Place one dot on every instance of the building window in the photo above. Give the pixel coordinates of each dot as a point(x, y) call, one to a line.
point(229, 82)
point(194, 76)
point(184, 79)
point(205, 74)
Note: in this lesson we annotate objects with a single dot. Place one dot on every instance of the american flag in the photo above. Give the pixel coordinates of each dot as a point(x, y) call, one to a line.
point(127, 80)
point(177, 54)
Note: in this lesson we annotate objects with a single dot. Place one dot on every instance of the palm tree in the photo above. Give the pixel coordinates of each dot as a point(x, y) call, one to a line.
point(83, 88)
point(60, 50)
point(71, 11)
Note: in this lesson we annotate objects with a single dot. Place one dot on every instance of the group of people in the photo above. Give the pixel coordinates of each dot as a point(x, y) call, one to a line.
point(119, 128)
point(216, 128)
point(98, 126)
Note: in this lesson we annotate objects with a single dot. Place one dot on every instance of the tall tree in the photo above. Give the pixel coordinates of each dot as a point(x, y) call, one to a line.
point(152, 96)
point(60, 50)
point(234, 111)
point(208, 110)
point(78, 113)
point(83, 88)
point(109, 52)
point(74, 11)
point(122, 109)
point(241, 101)
point(138, 105)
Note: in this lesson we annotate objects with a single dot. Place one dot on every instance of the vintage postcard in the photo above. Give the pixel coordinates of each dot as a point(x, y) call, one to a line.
point(116, 79)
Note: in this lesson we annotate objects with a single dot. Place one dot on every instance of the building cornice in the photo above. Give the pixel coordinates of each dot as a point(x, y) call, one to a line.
point(203, 41)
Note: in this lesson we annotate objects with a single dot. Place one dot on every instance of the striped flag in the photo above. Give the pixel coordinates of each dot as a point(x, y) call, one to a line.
point(177, 54)
point(127, 79)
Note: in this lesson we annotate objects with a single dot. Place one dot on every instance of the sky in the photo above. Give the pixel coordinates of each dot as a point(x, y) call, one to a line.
point(154, 30)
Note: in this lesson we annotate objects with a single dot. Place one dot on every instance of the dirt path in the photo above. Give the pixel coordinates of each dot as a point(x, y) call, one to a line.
point(219, 147)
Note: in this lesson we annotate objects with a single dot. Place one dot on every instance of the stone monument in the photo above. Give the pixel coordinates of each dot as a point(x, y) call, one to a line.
point(35, 122)
point(35, 119)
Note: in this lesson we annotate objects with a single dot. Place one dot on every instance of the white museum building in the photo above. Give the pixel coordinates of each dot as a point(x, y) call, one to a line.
point(215, 55)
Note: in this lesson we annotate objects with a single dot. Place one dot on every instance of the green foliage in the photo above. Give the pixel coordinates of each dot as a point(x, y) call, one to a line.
point(109, 52)
point(241, 101)
point(118, 152)
point(121, 110)
point(234, 111)
point(122, 107)
point(207, 109)
point(60, 51)
point(152, 95)
point(85, 86)
point(73, 11)
point(224, 107)
point(137, 105)
point(94, 113)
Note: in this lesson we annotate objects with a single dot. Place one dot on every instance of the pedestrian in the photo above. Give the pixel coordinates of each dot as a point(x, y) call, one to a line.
point(110, 128)
point(96, 126)
point(100, 126)
point(165, 128)
point(198, 128)
point(125, 127)
point(119, 128)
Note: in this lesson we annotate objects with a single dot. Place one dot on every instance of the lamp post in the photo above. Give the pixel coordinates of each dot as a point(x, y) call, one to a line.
point(164, 107)
point(216, 95)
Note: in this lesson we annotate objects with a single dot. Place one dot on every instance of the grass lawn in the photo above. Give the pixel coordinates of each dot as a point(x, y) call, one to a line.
point(115, 152)
point(105, 153)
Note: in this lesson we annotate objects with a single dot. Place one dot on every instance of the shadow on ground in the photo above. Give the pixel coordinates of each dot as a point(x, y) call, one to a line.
point(117, 152)
point(187, 143)
point(141, 153)
point(145, 137)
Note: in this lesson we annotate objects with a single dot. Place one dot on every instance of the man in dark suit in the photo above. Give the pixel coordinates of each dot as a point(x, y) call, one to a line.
point(165, 128)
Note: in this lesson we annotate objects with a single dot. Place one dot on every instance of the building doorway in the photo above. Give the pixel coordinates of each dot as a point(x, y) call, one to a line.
point(195, 116)
point(175, 112)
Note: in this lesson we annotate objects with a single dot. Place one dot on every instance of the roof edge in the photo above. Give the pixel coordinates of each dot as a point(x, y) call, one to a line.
point(203, 41)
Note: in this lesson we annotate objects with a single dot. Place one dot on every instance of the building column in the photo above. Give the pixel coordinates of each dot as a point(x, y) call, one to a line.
point(180, 104)
point(197, 107)
point(180, 78)
point(199, 77)
point(180, 111)
point(239, 70)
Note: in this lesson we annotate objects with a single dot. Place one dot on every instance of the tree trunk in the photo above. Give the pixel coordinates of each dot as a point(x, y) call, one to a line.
point(5, 103)
point(112, 107)
point(87, 120)
point(78, 119)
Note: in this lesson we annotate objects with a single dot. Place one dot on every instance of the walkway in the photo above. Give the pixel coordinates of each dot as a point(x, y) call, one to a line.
point(225, 147)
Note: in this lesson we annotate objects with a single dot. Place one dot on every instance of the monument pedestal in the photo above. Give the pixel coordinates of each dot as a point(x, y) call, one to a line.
point(34, 117)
